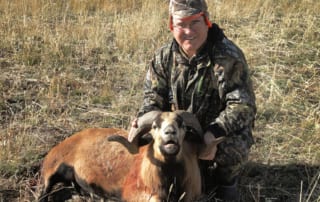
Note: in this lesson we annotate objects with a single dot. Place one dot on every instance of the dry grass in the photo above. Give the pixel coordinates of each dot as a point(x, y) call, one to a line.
point(69, 65)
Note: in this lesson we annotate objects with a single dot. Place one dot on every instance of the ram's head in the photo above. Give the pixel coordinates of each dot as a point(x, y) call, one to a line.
point(168, 130)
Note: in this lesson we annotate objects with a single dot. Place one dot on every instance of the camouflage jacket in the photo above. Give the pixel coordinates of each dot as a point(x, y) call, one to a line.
point(214, 85)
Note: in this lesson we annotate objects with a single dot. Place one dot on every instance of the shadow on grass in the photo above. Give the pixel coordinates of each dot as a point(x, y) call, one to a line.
point(280, 183)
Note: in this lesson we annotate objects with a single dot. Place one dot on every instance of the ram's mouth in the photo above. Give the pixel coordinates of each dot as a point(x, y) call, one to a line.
point(170, 148)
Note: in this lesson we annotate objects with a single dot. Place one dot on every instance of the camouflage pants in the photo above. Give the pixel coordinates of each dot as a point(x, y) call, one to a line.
point(230, 158)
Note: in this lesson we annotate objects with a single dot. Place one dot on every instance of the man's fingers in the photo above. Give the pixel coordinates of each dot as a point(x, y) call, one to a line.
point(134, 127)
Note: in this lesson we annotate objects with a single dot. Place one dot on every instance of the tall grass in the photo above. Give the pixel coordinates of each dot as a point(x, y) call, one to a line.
point(69, 65)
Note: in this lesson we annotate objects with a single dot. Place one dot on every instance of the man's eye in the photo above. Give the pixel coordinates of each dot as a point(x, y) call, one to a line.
point(196, 22)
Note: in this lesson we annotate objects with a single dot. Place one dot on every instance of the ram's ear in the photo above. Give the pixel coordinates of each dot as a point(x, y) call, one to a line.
point(208, 151)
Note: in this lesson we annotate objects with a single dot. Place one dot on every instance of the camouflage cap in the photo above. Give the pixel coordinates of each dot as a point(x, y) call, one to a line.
point(185, 8)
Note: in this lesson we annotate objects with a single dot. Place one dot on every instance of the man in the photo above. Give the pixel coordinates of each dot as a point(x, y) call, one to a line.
point(203, 72)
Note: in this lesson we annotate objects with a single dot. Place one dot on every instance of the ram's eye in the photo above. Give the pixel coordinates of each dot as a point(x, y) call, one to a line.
point(154, 126)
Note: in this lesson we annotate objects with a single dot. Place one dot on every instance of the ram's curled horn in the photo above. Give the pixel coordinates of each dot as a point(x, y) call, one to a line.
point(144, 125)
point(132, 148)
point(191, 121)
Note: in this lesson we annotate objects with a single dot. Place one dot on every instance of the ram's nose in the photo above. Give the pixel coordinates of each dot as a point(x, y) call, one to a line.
point(170, 131)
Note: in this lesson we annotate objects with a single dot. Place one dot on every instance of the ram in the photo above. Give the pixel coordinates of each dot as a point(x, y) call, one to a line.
point(165, 169)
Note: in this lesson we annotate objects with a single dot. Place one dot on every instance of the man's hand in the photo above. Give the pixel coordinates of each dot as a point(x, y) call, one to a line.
point(134, 126)
point(210, 147)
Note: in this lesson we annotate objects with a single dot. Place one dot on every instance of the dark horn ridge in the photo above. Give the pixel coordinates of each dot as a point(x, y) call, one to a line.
point(191, 121)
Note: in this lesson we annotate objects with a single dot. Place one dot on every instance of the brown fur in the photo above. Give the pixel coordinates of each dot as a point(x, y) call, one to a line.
point(145, 180)
point(96, 163)
point(106, 168)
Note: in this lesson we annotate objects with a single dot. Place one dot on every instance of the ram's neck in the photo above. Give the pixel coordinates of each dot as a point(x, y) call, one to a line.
point(165, 179)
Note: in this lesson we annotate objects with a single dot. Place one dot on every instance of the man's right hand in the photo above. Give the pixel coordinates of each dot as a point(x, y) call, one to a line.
point(134, 126)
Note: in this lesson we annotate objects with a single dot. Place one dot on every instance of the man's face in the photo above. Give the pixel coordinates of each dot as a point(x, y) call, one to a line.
point(190, 33)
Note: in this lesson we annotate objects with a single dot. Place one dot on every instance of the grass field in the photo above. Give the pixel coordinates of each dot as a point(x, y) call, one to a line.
point(74, 64)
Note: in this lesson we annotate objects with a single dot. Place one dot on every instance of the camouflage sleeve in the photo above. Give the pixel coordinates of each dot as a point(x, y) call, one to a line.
point(156, 86)
point(236, 92)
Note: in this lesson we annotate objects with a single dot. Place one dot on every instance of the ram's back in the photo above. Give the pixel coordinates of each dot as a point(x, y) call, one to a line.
point(90, 160)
